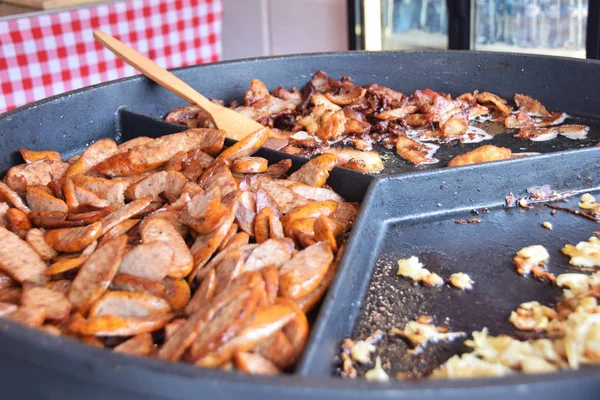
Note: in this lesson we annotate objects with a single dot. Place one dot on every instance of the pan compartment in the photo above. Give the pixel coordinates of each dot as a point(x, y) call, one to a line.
point(414, 215)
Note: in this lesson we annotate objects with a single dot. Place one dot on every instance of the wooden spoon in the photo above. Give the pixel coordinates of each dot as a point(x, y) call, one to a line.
point(234, 124)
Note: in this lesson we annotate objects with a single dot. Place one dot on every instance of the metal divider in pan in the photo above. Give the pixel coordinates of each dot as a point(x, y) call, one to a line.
point(415, 214)
point(351, 185)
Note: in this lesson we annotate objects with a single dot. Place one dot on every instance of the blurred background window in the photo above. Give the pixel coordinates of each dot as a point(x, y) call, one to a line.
point(555, 27)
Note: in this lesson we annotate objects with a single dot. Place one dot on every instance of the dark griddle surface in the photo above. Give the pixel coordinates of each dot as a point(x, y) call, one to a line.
point(484, 251)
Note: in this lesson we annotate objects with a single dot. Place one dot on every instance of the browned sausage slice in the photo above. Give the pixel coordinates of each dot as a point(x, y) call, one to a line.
point(39, 199)
point(245, 147)
point(133, 283)
point(203, 295)
point(71, 240)
point(156, 184)
point(150, 260)
point(56, 304)
point(19, 260)
point(250, 165)
point(311, 210)
point(316, 171)
point(270, 275)
point(229, 269)
point(309, 301)
point(13, 198)
point(7, 308)
point(139, 345)
point(265, 322)
point(111, 325)
point(31, 156)
point(124, 213)
point(96, 273)
point(253, 363)
point(277, 349)
point(108, 189)
point(163, 231)
point(36, 173)
point(94, 154)
point(324, 231)
point(297, 329)
point(205, 246)
point(129, 304)
point(119, 229)
point(178, 292)
point(305, 271)
point(183, 337)
point(246, 212)
point(225, 323)
point(31, 316)
point(157, 152)
point(240, 239)
point(35, 238)
point(271, 251)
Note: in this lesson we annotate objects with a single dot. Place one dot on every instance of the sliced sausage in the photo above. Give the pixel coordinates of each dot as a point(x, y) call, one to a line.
point(155, 184)
point(270, 275)
point(31, 316)
point(133, 283)
point(162, 230)
point(56, 304)
point(150, 260)
point(119, 229)
point(309, 301)
point(36, 173)
point(297, 329)
point(316, 171)
point(270, 252)
point(250, 165)
point(157, 152)
point(177, 292)
point(305, 271)
point(35, 238)
point(230, 268)
point(205, 246)
point(31, 156)
point(13, 198)
point(245, 147)
point(129, 304)
point(40, 200)
point(240, 239)
point(203, 295)
point(96, 273)
point(277, 349)
point(139, 345)
point(94, 154)
point(71, 240)
point(111, 325)
point(225, 323)
point(19, 260)
point(108, 189)
point(254, 363)
point(246, 212)
point(7, 308)
point(124, 213)
point(325, 231)
point(264, 323)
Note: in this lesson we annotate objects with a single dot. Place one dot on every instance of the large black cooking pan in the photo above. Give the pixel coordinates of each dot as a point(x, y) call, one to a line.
point(34, 365)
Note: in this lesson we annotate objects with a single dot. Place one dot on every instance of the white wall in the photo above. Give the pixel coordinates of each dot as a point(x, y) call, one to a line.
point(253, 28)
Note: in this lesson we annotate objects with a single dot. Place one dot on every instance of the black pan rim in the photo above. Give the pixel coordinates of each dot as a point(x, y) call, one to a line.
point(118, 369)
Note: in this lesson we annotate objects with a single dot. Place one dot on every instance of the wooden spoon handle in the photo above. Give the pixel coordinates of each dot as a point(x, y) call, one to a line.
point(152, 70)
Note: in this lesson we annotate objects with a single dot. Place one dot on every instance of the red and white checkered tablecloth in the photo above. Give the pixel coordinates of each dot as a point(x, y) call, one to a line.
point(45, 55)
